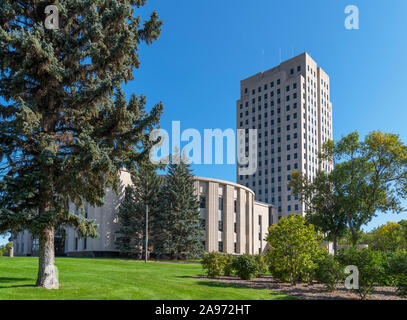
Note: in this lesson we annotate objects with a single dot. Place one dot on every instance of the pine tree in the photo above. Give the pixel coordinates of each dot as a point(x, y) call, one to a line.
point(178, 227)
point(66, 128)
point(132, 211)
point(127, 241)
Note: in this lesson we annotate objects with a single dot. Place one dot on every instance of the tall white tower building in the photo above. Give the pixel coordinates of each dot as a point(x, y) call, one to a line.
point(290, 107)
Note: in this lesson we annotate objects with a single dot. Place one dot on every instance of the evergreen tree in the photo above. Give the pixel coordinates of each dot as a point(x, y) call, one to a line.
point(66, 128)
point(129, 220)
point(178, 229)
point(132, 211)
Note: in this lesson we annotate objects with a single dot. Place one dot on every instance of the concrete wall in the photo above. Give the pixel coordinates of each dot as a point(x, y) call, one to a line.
point(244, 240)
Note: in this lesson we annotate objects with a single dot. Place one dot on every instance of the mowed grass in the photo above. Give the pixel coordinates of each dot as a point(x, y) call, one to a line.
point(117, 279)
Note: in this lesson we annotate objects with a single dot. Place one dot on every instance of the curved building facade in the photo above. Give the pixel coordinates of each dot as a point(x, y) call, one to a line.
point(234, 222)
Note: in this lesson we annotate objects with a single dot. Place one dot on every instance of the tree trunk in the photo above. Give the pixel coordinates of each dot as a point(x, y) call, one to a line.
point(335, 241)
point(352, 231)
point(47, 273)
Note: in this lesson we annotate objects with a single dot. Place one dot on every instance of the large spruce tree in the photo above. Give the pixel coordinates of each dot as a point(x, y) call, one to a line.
point(66, 128)
point(178, 230)
point(132, 211)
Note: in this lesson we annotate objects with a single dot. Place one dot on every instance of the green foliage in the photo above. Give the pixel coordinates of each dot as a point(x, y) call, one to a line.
point(293, 248)
point(178, 231)
point(128, 241)
point(370, 265)
point(353, 239)
point(214, 264)
point(323, 203)
point(402, 286)
point(66, 126)
point(132, 212)
point(261, 262)
point(388, 237)
point(396, 270)
point(278, 273)
point(4, 249)
point(229, 265)
point(369, 176)
point(329, 272)
point(246, 266)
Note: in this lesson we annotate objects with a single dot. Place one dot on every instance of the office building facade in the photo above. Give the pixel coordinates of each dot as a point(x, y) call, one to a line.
point(234, 222)
point(290, 107)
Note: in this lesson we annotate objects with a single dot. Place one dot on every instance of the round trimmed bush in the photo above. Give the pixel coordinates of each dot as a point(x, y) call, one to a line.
point(261, 262)
point(229, 268)
point(245, 266)
point(214, 264)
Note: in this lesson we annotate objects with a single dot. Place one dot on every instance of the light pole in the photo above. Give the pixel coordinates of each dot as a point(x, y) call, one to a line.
point(146, 257)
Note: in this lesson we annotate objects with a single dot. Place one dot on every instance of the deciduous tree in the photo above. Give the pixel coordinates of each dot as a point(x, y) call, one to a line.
point(322, 203)
point(370, 176)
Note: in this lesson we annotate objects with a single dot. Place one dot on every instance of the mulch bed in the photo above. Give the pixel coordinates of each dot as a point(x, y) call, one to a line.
point(309, 292)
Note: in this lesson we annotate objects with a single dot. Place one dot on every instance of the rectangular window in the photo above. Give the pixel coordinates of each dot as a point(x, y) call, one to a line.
point(220, 246)
point(220, 203)
point(220, 222)
point(202, 200)
point(220, 225)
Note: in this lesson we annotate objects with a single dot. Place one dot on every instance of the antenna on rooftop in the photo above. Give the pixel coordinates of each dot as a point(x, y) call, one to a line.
point(262, 61)
point(280, 55)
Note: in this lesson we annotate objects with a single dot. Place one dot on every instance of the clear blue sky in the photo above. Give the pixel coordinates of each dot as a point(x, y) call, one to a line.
point(207, 47)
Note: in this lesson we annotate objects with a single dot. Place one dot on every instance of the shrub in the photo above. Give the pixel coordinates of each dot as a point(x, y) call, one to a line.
point(329, 272)
point(293, 247)
point(261, 262)
point(401, 285)
point(245, 266)
point(370, 265)
point(280, 274)
point(396, 269)
point(387, 278)
point(214, 264)
point(229, 268)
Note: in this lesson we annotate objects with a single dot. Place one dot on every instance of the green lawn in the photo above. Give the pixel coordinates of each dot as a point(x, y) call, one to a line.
point(119, 279)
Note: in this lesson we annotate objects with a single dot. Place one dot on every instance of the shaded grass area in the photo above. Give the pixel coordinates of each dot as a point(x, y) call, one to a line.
point(107, 279)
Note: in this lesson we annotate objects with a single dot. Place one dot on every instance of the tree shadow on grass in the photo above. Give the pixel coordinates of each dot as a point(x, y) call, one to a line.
point(18, 286)
point(9, 279)
point(191, 277)
point(5, 280)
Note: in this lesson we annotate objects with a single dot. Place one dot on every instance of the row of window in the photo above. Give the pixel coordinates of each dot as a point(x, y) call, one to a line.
point(84, 243)
point(265, 87)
